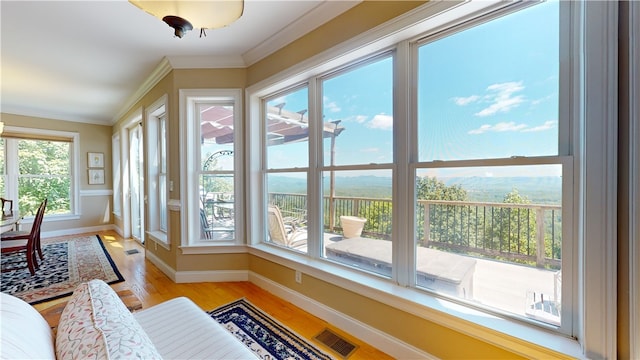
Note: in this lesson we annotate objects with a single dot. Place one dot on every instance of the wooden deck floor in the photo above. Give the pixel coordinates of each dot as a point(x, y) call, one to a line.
point(504, 286)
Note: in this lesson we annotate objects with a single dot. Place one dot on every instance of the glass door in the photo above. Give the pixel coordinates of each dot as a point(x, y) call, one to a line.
point(136, 189)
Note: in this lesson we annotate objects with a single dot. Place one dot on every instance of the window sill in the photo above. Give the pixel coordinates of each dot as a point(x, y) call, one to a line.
point(520, 338)
point(217, 248)
point(160, 238)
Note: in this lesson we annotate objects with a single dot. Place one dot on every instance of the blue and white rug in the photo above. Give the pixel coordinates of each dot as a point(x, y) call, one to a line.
point(267, 338)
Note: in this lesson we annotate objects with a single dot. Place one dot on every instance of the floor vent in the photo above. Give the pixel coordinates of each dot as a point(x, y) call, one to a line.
point(131, 252)
point(336, 343)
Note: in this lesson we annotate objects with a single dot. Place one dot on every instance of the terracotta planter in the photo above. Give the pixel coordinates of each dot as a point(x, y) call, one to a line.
point(352, 226)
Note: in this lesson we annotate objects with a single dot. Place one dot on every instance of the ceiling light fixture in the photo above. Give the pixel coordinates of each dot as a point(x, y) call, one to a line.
point(183, 16)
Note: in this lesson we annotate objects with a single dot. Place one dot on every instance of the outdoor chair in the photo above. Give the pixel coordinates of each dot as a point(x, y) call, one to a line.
point(286, 234)
point(27, 244)
point(205, 229)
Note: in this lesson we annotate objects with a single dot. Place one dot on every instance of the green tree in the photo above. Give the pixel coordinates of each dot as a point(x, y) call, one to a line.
point(216, 183)
point(515, 228)
point(446, 222)
point(44, 173)
point(378, 215)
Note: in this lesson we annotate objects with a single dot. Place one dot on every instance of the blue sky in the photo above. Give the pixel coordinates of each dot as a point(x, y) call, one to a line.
point(488, 92)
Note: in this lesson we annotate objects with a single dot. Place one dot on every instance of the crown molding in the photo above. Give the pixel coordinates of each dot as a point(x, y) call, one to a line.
point(48, 115)
point(305, 24)
point(163, 68)
point(206, 62)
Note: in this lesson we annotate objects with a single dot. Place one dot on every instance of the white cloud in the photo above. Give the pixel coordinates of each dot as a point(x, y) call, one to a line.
point(502, 98)
point(511, 126)
point(332, 106)
point(462, 101)
point(499, 127)
point(381, 121)
point(546, 126)
point(370, 150)
point(360, 118)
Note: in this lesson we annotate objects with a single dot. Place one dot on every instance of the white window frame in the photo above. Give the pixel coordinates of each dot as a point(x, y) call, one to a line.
point(117, 175)
point(564, 158)
point(157, 114)
point(11, 151)
point(135, 117)
point(594, 35)
point(190, 168)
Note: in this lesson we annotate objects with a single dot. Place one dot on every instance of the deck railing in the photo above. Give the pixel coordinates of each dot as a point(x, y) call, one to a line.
point(522, 233)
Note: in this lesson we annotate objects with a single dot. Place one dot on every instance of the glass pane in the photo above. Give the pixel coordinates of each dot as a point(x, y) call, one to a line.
point(358, 115)
point(357, 219)
point(216, 137)
point(44, 168)
point(287, 210)
point(492, 235)
point(217, 207)
point(492, 91)
point(162, 201)
point(163, 145)
point(288, 130)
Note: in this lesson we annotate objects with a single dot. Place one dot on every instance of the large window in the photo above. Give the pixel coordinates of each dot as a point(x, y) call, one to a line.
point(212, 161)
point(156, 117)
point(468, 158)
point(37, 165)
point(287, 126)
point(488, 95)
point(357, 166)
point(465, 125)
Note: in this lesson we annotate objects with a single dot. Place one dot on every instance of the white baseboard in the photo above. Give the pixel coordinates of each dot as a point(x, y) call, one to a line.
point(166, 269)
point(197, 276)
point(211, 276)
point(74, 231)
point(368, 334)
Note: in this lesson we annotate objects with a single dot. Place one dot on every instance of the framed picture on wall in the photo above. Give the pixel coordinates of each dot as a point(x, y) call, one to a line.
point(96, 176)
point(96, 160)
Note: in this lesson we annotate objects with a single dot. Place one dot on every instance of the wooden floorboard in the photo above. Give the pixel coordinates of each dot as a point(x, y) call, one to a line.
point(153, 287)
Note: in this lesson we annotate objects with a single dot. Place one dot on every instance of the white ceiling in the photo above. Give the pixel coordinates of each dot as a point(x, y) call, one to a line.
point(82, 60)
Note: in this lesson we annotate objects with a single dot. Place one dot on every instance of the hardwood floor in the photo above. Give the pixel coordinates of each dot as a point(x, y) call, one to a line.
point(153, 287)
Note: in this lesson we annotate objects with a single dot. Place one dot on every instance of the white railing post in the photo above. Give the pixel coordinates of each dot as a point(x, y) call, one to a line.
point(427, 227)
point(540, 237)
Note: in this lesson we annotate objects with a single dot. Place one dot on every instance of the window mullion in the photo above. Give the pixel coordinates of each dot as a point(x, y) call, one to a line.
point(314, 174)
point(402, 249)
point(11, 163)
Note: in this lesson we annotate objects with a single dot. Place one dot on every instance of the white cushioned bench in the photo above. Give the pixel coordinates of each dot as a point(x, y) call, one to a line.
point(95, 323)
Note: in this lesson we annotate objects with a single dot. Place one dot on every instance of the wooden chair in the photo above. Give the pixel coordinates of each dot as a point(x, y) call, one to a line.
point(28, 243)
point(21, 235)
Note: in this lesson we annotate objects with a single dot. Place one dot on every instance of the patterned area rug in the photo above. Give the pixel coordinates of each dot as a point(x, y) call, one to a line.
point(264, 336)
point(66, 264)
